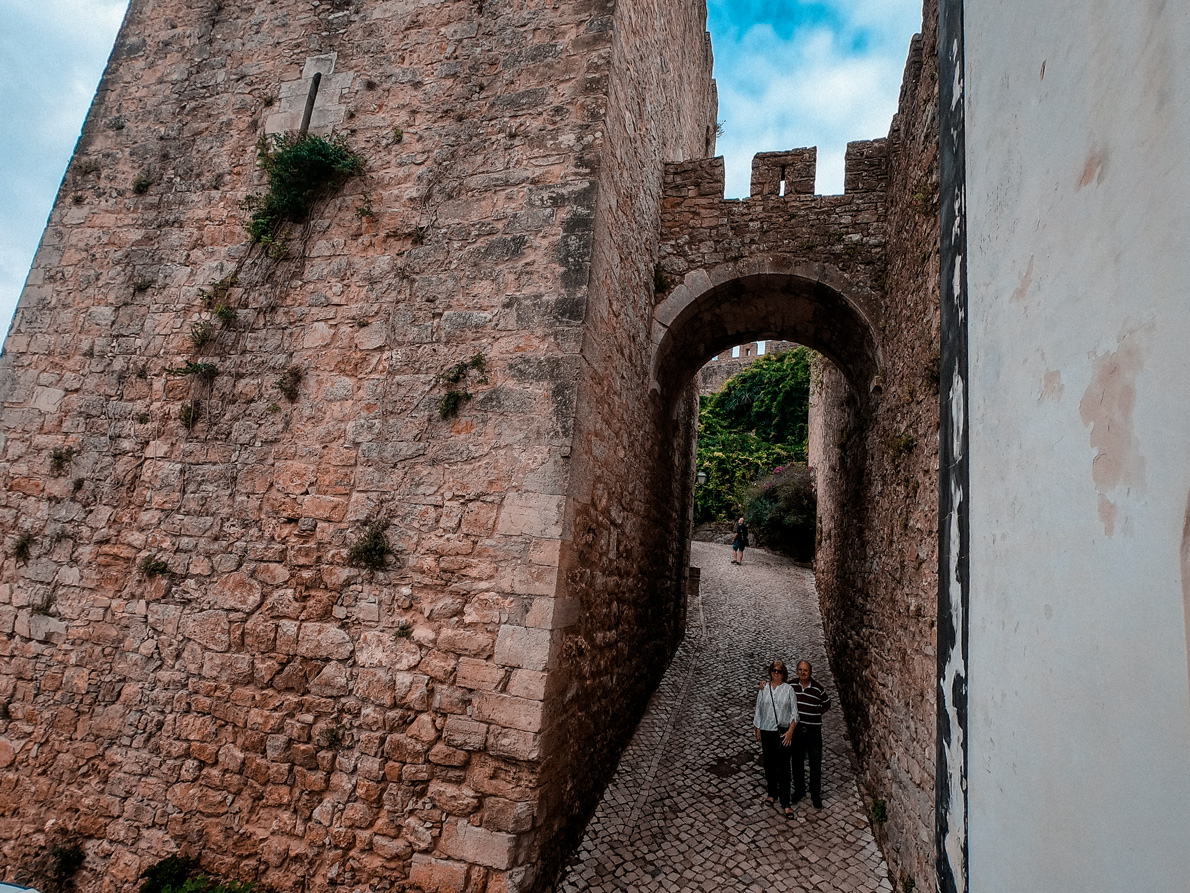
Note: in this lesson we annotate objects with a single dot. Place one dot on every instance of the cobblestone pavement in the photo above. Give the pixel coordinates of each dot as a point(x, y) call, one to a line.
point(685, 810)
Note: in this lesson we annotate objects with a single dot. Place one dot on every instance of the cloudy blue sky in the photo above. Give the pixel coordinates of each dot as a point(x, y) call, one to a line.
point(791, 73)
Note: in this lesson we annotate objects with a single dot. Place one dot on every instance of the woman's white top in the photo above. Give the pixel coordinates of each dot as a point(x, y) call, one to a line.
point(785, 700)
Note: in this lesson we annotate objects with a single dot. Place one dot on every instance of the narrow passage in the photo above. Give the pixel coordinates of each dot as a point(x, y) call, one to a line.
point(685, 809)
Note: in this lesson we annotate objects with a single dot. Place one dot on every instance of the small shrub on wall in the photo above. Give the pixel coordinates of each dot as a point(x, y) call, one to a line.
point(781, 511)
point(302, 170)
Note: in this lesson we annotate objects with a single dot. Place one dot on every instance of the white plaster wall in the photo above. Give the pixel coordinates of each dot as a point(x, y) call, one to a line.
point(1078, 200)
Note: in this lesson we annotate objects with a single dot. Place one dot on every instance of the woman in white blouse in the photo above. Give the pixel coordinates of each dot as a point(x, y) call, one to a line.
point(775, 717)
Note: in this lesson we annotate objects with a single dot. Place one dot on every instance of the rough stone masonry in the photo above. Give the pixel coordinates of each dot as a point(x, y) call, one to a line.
point(193, 659)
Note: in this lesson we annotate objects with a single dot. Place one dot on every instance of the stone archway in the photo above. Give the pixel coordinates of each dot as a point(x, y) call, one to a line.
point(765, 298)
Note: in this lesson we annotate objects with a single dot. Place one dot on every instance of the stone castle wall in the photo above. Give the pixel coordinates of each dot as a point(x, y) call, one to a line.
point(874, 427)
point(627, 523)
point(877, 472)
point(714, 375)
point(266, 704)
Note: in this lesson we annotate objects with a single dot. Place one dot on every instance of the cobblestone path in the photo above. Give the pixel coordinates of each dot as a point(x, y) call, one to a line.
point(685, 809)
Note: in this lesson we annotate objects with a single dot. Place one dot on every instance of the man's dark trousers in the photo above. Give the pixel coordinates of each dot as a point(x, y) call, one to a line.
point(807, 742)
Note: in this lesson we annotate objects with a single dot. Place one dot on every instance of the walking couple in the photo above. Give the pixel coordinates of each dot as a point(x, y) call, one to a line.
point(788, 725)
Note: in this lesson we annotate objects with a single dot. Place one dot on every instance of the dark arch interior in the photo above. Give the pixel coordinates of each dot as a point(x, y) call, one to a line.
point(767, 307)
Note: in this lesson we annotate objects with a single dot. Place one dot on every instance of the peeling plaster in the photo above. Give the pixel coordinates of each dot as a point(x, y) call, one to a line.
point(1106, 408)
point(950, 800)
point(1019, 295)
point(1094, 168)
point(1051, 385)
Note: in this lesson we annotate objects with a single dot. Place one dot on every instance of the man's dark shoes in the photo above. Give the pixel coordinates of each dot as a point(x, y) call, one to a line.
point(817, 802)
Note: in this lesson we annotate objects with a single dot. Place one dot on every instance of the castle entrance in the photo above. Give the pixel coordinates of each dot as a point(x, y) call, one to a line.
point(685, 810)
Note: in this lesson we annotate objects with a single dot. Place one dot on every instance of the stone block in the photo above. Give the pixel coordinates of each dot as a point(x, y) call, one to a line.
point(209, 628)
point(463, 733)
point(510, 712)
point(478, 674)
point(323, 640)
point(474, 643)
point(514, 744)
point(443, 755)
point(493, 849)
point(532, 514)
point(508, 815)
point(527, 684)
point(331, 682)
point(454, 799)
point(237, 592)
point(519, 646)
point(437, 875)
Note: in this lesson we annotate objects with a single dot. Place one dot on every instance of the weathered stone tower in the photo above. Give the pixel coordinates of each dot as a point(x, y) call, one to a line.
point(192, 660)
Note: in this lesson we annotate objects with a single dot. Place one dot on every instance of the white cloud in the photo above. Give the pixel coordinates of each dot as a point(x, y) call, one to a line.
point(812, 88)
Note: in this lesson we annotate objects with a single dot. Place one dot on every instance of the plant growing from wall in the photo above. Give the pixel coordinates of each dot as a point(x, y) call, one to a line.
point(226, 315)
point(22, 548)
point(170, 873)
point(289, 382)
point(180, 874)
point(189, 413)
point(302, 169)
point(901, 444)
point(60, 459)
point(62, 864)
point(449, 403)
point(217, 293)
point(151, 567)
point(204, 372)
point(879, 811)
point(371, 550)
point(202, 332)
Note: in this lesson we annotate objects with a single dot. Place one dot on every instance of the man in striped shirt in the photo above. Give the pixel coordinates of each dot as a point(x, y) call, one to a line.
point(812, 702)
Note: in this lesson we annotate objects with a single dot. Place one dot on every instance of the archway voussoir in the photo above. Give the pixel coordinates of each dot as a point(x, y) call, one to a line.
point(669, 309)
point(657, 335)
point(697, 281)
point(764, 264)
point(723, 273)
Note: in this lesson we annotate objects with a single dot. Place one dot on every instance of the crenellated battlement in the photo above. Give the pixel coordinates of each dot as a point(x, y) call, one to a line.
point(865, 167)
point(782, 174)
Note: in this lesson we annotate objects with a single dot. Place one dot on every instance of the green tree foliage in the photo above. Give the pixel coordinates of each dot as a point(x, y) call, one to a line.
point(782, 509)
point(771, 398)
point(759, 422)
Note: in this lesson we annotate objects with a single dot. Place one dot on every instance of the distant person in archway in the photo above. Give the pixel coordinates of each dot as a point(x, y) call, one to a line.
point(740, 543)
point(812, 702)
point(774, 720)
